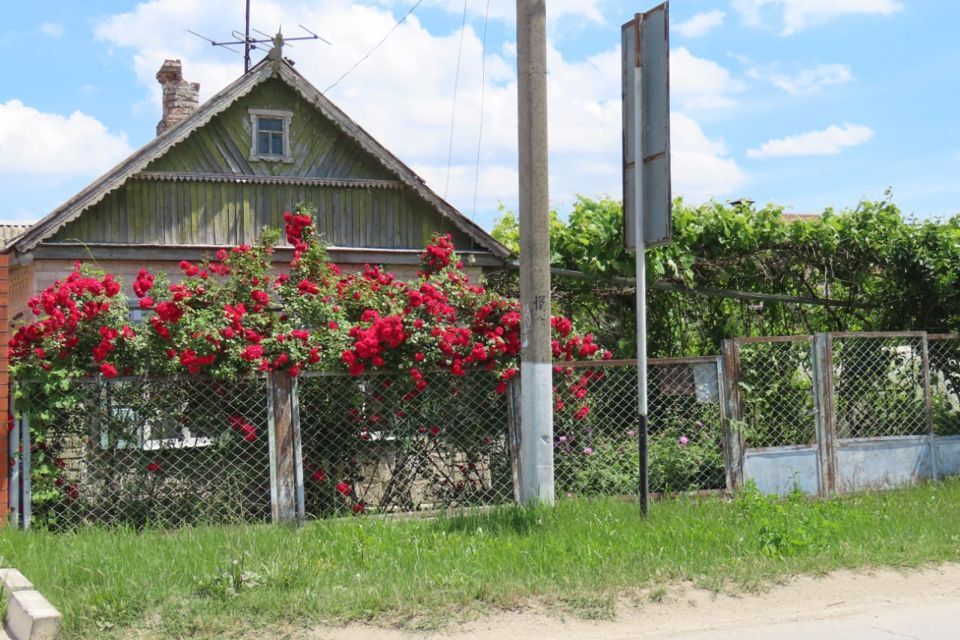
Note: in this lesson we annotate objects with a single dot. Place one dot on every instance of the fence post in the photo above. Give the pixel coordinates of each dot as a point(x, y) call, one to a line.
point(731, 413)
point(928, 409)
point(824, 404)
point(286, 464)
point(26, 499)
point(514, 433)
point(13, 444)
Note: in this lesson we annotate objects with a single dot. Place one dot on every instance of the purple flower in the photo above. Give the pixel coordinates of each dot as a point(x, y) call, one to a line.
point(684, 440)
point(562, 438)
point(631, 433)
point(587, 451)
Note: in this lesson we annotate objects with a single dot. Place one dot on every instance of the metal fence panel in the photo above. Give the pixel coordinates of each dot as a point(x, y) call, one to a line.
point(944, 353)
point(373, 444)
point(148, 452)
point(776, 392)
point(879, 385)
point(598, 454)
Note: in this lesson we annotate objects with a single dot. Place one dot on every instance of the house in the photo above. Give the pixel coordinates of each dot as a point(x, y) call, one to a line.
point(217, 173)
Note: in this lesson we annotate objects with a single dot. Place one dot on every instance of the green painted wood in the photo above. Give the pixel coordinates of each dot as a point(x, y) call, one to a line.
point(319, 147)
point(192, 213)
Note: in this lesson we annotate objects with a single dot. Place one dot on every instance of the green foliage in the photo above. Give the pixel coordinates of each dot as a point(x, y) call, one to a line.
point(790, 527)
point(903, 271)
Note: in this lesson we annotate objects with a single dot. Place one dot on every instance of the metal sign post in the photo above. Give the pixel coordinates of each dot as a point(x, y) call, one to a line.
point(646, 176)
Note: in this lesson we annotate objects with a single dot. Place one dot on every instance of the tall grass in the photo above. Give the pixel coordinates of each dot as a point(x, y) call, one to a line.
point(216, 581)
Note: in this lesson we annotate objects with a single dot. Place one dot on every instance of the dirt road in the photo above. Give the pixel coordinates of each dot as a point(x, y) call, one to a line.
point(884, 604)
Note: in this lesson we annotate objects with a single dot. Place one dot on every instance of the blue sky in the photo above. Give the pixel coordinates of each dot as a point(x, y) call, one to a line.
point(807, 103)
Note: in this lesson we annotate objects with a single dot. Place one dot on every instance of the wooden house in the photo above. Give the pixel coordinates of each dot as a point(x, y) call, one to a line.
point(216, 174)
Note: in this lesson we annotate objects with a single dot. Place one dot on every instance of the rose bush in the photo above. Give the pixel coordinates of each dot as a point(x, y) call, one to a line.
point(234, 316)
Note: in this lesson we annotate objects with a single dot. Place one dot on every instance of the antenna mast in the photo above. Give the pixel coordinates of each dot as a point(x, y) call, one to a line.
point(249, 44)
point(246, 40)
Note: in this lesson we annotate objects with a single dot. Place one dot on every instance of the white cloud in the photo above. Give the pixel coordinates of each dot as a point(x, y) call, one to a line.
point(800, 14)
point(701, 24)
point(34, 144)
point(827, 142)
point(700, 84)
point(52, 29)
point(590, 10)
point(807, 81)
point(700, 165)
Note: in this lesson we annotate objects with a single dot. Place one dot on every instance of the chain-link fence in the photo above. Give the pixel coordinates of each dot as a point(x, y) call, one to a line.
point(376, 444)
point(944, 353)
point(179, 451)
point(775, 385)
point(598, 454)
point(879, 385)
point(147, 452)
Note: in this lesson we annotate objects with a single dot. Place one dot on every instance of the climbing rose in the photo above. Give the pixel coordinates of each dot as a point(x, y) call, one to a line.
point(343, 489)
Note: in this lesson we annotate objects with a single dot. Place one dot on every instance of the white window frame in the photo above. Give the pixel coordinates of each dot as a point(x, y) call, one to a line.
point(145, 437)
point(285, 117)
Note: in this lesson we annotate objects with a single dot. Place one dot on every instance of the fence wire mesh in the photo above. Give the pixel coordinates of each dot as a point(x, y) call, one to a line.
point(945, 384)
point(147, 452)
point(776, 392)
point(370, 444)
point(879, 386)
point(599, 453)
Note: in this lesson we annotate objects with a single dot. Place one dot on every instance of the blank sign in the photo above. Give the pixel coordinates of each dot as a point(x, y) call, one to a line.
point(646, 56)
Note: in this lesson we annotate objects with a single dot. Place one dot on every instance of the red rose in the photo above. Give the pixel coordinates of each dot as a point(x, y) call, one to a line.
point(108, 370)
point(153, 467)
point(343, 489)
point(319, 475)
point(358, 507)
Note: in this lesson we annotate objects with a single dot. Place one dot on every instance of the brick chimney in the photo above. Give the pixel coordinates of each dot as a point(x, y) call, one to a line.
point(180, 98)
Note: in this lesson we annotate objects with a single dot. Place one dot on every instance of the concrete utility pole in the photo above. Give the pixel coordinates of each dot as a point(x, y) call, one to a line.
point(536, 370)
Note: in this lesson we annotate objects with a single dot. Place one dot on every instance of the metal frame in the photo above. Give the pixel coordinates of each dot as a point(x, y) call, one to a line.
point(13, 487)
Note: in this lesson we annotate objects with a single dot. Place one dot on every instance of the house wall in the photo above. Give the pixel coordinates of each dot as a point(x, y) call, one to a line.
point(209, 213)
point(205, 190)
point(22, 288)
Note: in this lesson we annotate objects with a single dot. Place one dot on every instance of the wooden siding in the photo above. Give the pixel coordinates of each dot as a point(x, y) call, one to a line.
point(203, 213)
point(319, 148)
point(225, 212)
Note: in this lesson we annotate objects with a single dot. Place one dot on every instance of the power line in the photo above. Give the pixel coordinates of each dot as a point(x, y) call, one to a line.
point(456, 86)
point(376, 46)
point(483, 87)
point(710, 292)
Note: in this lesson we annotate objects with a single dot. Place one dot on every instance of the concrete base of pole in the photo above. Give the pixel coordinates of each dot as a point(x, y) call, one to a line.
point(536, 447)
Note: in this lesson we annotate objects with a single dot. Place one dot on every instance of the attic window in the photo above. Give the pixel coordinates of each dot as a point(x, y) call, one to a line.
point(270, 135)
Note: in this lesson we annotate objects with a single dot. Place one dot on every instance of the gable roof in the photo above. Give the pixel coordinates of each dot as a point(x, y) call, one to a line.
point(266, 69)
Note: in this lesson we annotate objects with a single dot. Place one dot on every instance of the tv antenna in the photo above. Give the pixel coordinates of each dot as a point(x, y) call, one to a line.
point(250, 44)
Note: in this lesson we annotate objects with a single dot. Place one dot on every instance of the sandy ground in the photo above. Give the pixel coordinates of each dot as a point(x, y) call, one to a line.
point(920, 604)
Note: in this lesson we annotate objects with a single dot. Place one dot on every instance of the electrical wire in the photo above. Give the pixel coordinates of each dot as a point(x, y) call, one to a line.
point(376, 46)
point(483, 86)
point(456, 86)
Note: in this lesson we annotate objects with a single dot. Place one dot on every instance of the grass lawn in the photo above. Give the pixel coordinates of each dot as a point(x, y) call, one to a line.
point(579, 557)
